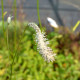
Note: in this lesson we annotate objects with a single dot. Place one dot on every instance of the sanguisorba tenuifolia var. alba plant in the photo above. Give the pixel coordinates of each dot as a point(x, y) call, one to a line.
point(42, 44)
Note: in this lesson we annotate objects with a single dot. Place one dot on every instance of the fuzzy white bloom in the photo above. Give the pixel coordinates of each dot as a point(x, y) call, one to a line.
point(9, 19)
point(42, 42)
point(52, 22)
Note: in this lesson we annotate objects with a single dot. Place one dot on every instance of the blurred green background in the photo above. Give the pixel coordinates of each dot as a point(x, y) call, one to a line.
point(23, 62)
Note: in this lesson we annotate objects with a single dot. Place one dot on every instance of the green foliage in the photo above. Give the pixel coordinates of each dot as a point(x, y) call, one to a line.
point(28, 64)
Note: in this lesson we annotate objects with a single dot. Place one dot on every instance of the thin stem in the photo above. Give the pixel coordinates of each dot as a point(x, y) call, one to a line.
point(14, 56)
point(7, 39)
point(38, 14)
point(2, 6)
point(15, 24)
point(12, 68)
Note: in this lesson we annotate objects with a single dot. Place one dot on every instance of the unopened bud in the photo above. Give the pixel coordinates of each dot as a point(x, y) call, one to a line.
point(9, 19)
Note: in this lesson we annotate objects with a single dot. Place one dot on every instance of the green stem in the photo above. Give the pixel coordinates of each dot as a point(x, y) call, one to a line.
point(2, 8)
point(12, 68)
point(15, 10)
point(7, 39)
point(38, 14)
point(14, 56)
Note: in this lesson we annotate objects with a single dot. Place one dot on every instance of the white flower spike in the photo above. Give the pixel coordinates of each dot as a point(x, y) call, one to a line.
point(52, 22)
point(42, 42)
